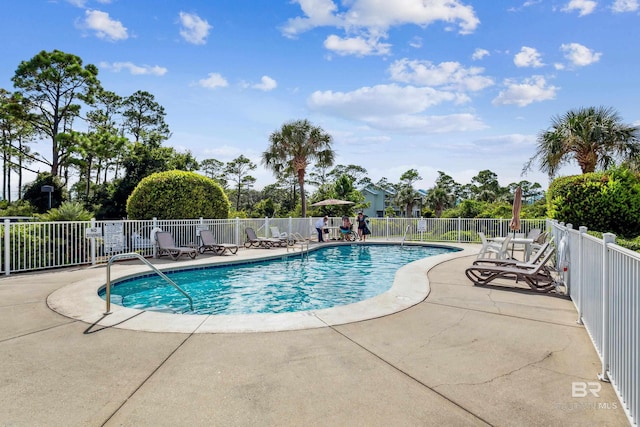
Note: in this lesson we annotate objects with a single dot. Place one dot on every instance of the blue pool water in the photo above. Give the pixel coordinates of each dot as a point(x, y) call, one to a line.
point(330, 276)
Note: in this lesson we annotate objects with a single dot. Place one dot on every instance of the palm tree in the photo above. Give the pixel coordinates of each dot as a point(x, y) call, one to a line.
point(439, 199)
point(294, 147)
point(593, 137)
point(407, 197)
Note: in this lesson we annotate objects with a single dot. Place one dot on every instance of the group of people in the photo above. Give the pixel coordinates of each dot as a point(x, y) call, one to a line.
point(345, 228)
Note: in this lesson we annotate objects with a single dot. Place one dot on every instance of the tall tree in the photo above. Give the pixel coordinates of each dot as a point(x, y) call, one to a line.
point(237, 171)
point(294, 147)
point(52, 83)
point(443, 195)
point(144, 119)
point(410, 177)
point(15, 132)
point(358, 174)
point(486, 186)
point(593, 137)
point(214, 169)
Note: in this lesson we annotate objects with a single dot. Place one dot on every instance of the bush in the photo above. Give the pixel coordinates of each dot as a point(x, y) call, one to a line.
point(601, 201)
point(40, 200)
point(177, 195)
point(68, 211)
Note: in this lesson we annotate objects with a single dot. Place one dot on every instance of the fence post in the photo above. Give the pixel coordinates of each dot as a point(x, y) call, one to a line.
point(238, 231)
point(459, 229)
point(578, 269)
point(606, 239)
point(386, 227)
point(7, 247)
point(93, 244)
point(155, 244)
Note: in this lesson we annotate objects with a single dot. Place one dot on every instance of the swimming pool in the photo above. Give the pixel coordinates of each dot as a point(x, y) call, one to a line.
point(328, 277)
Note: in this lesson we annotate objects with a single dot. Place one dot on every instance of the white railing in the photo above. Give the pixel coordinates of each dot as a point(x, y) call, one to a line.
point(601, 277)
point(603, 281)
point(32, 246)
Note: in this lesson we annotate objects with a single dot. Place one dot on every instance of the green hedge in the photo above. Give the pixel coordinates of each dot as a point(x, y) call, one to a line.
point(601, 201)
point(177, 195)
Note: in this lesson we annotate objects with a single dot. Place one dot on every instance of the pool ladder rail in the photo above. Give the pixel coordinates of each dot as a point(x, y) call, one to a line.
point(302, 243)
point(131, 255)
point(405, 235)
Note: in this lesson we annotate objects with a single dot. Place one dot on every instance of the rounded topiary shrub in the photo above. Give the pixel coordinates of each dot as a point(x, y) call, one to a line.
point(608, 202)
point(177, 195)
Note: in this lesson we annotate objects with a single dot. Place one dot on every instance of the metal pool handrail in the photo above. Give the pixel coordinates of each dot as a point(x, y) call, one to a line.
point(405, 235)
point(141, 258)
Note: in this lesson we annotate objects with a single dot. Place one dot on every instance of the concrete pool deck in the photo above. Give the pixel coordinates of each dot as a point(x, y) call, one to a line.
point(465, 355)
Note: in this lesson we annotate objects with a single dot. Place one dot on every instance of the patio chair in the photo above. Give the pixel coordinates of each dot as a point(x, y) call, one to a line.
point(253, 241)
point(489, 247)
point(209, 243)
point(538, 276)
point(290, 238)
point(533, 234)
point(166, 246)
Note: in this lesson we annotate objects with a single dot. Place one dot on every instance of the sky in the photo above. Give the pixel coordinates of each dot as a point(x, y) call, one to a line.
point(457, 86)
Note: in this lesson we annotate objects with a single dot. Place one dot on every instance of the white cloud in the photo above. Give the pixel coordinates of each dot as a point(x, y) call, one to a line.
point(367, 21)
point(530, 90)
point(194, 29)
point(580, 55)
point(621, 6)
point(478, 54)
point(266, 84)
point(213, 81)
point(394, 107)
point(528, 57)
point(104, 26)
point(585, 7)
point(449, 75)
point(319, 13)
point(135, 69)
point(416, 42)
point(356, 46)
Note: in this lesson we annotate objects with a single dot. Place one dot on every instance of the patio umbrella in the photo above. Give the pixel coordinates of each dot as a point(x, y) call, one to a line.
point(514, 225)
point(332, 202)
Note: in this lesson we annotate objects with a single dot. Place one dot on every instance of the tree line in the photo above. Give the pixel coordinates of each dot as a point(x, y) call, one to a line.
point(108, 143)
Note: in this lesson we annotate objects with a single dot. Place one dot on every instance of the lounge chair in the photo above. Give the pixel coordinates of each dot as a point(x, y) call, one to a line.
point(253, 241)
point(290, 238)
point(535, 259)
point(538, 276)
point(209, 243)
point(489, 247)
point(166, 246)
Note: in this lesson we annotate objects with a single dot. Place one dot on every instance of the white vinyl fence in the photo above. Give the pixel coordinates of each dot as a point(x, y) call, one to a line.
point(603, 281)
point(29, 246)
point(601, 277)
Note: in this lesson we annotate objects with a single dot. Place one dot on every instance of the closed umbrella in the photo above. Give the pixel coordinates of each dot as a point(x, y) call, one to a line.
point(514, 225)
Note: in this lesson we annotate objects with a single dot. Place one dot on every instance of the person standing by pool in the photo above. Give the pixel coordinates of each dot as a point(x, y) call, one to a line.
point(320, 225)
point(363, 229)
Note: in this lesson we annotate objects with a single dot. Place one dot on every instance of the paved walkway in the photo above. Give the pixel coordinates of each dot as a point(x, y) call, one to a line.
point(464, 356)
